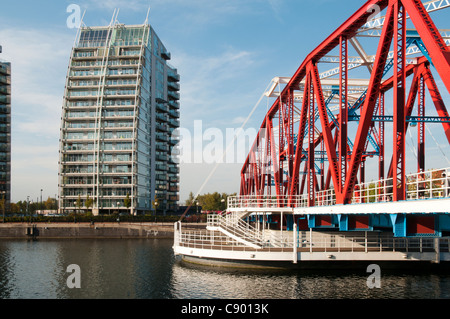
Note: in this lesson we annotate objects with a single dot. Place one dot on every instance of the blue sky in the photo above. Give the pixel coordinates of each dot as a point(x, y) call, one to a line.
point(226, 51)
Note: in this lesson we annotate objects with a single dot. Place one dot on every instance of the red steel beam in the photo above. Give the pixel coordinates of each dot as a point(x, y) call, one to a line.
point(369, 105)
point(343, 107)
point(436, 97)
point(431, 37)
point(399, 128)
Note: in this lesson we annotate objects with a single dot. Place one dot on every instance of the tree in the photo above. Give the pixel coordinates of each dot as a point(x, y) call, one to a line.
point(78, 203)
point(210, 202)
point(15, 208)
point(22, 207)
point(127, 201)
point(49, 203)
point(89, 202)
point(190, 200)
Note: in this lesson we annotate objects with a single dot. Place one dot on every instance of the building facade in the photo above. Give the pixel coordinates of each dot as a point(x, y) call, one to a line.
point(5, 135)
point(120, 111)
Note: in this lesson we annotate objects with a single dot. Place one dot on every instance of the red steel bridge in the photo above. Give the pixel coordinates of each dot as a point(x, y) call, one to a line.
point(324, 127)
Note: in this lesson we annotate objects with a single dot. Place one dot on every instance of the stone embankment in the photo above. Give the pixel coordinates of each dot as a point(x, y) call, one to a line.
point(89, 230)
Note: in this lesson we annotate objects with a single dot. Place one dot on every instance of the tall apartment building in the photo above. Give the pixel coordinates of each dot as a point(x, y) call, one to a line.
point(121, 106)
point(5, 135)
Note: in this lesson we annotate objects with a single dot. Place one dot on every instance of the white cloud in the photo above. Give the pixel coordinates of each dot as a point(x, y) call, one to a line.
point(209, 83)
point(38, 65)
point(239, 120)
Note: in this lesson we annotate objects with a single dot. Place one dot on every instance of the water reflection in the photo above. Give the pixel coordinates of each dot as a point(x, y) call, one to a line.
point(109, 269)
point(147, 269)
point(193, 281)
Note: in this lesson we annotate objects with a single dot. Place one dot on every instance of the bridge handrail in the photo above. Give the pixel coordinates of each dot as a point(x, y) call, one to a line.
point(314, 241)
point(430, 184)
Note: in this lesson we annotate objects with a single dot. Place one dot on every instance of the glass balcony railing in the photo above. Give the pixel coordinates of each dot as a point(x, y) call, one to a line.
point(5, 79)
point(161, 127)
point(5, 99)
point(173, 86)
point(174, 113)
point(172, 76)
point(174, 104)
point(174, 123)
point(174, 95)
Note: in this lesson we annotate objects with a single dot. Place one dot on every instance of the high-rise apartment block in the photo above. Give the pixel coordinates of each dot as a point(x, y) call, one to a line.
point(5, 135)
point(120, 110)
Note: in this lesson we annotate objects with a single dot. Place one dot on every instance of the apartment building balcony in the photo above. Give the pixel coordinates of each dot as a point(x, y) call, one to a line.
point(117, 116)
point(77, 129)
point(162, 157)
point(161, 117)
point(174, 170)
point(174, 123)
point(174, 104)
point(162, 137)
point(165, 55)
point(161, 167)
point(161, 177)
point(5, 79)
point(174, 95)
point(79, 185)
point(77, 151)
point(76, 173)
point(115, 151)
point(173, 141)
point(161, 107)
point(162, 147)
point(173, 76)
point(5, 89)
point(115, 174)
point(174, 114)
point(173, 86)
point(161, 127)
point(173, 179)
point(6, 99)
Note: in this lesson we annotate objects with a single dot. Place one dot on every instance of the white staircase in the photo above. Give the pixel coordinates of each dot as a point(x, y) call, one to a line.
point(233, 226)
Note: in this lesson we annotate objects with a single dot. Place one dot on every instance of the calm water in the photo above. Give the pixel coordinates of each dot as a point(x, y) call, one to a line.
point(147, 269)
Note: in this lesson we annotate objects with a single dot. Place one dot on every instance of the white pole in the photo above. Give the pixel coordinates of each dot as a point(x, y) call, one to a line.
point(295, 243)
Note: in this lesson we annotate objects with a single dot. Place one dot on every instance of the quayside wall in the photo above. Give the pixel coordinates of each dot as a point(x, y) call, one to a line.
point(88, 230)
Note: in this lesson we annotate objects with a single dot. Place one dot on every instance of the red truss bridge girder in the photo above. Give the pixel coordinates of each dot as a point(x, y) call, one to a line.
point(278, 162)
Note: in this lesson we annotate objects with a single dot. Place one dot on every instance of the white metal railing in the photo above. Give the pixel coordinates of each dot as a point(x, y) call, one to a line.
point(431, 184)
point(309, 241)
point(267, 201)
point(234, 225)
point(208, 240)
